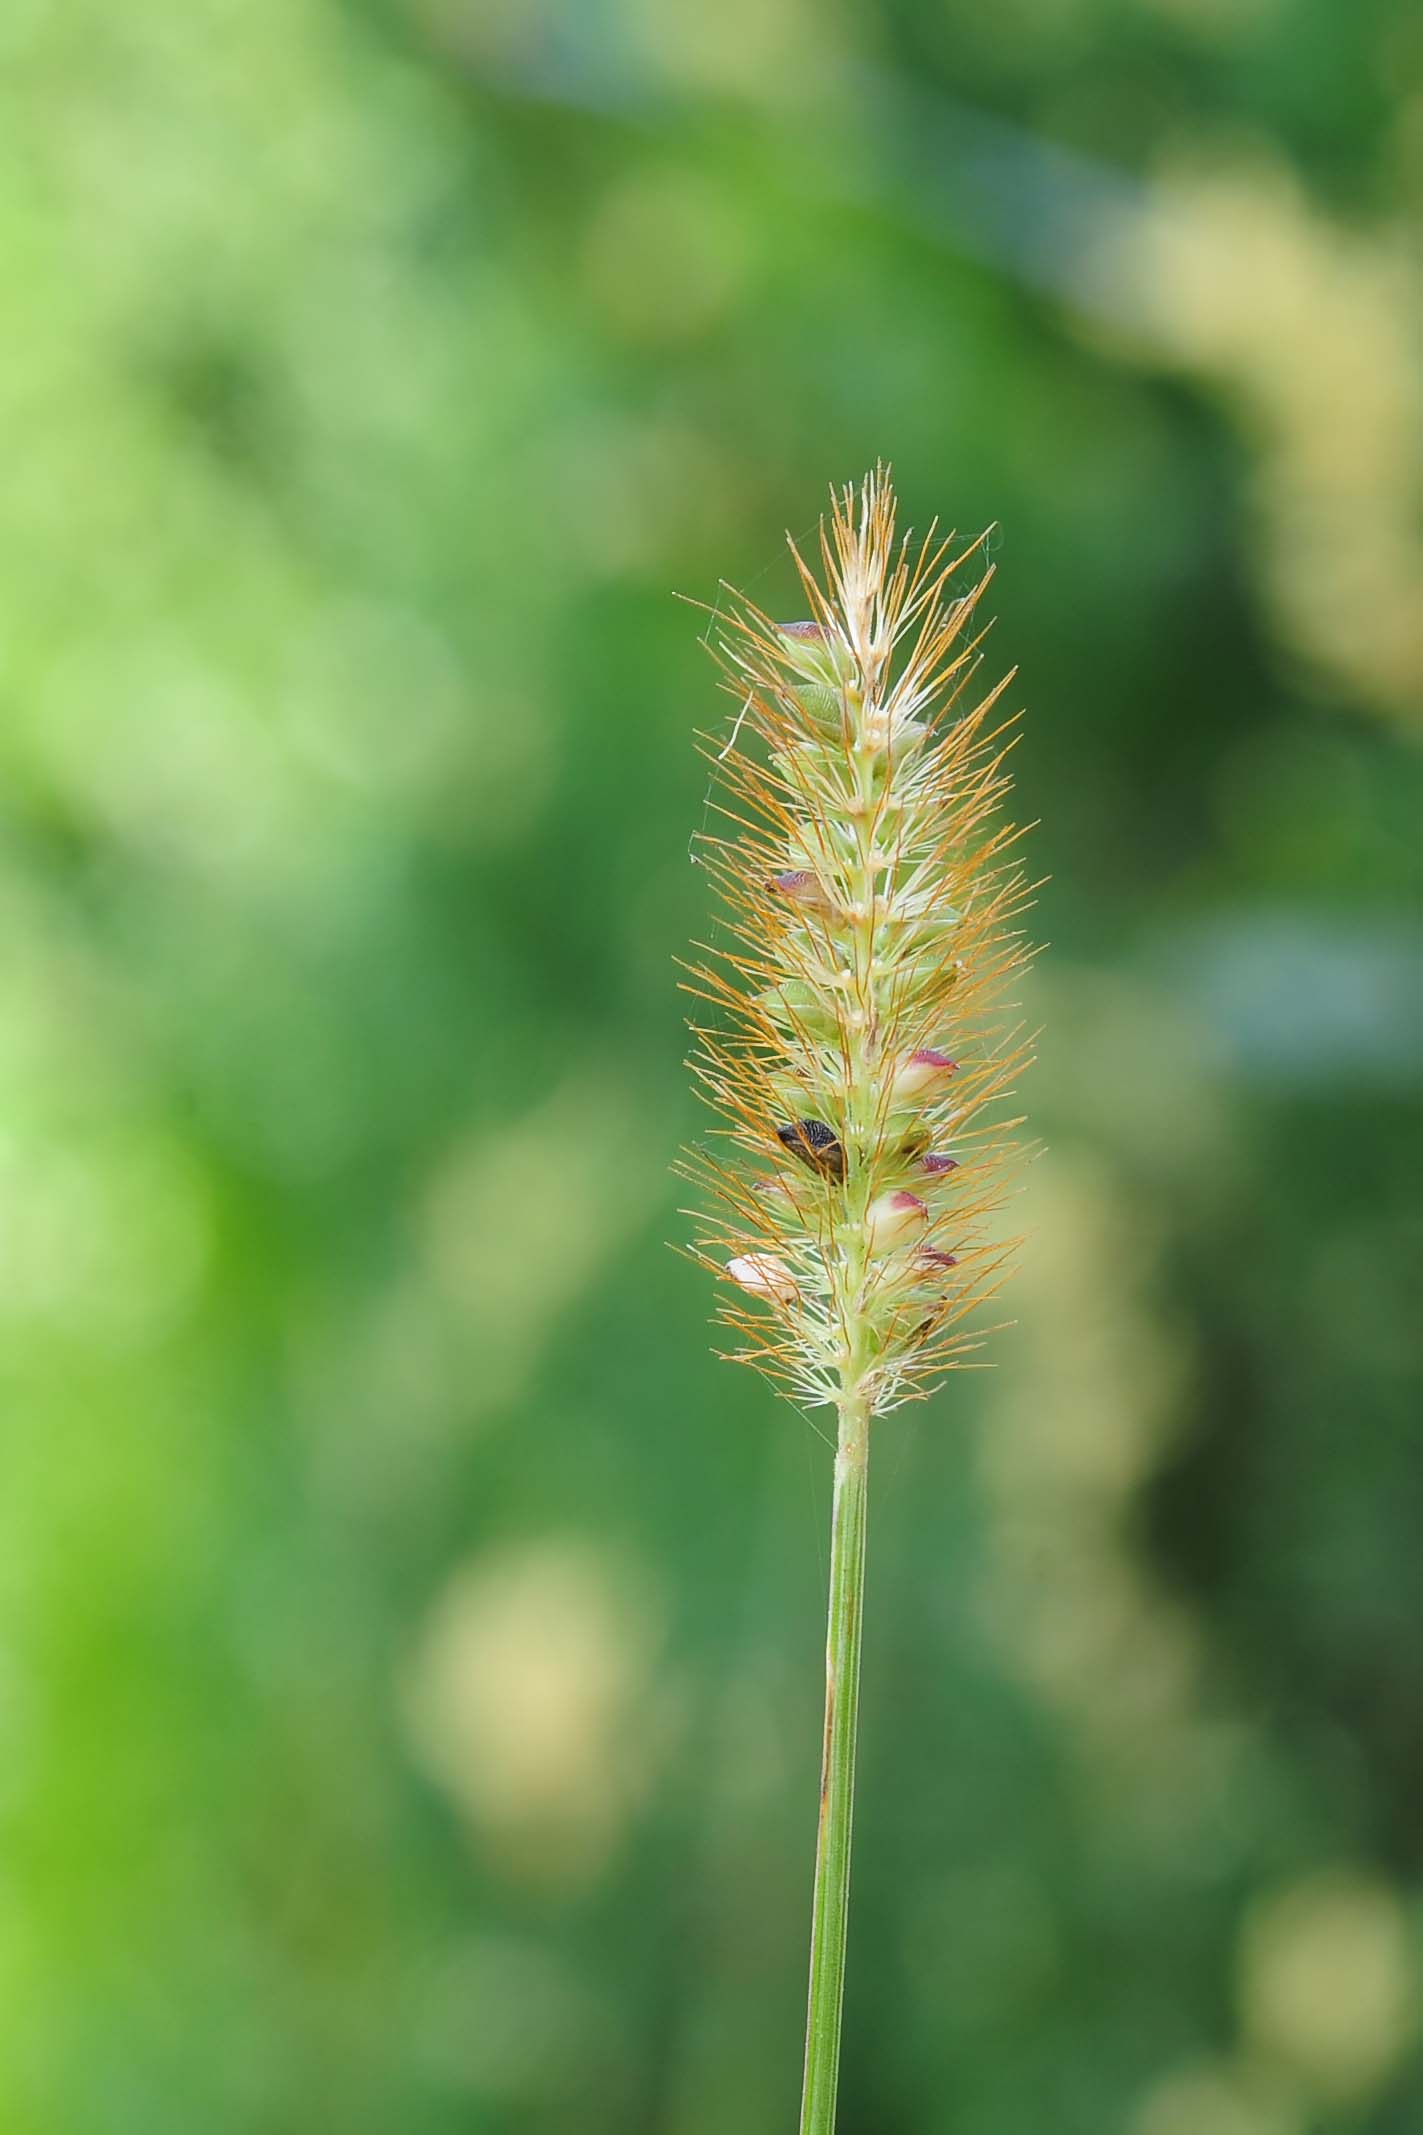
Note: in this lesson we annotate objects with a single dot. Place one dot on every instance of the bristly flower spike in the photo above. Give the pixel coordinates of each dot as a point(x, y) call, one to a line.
point(872, 899)
point(859, 1059)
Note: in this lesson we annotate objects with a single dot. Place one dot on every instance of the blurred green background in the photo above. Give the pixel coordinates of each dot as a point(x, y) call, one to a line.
point(410, 1677)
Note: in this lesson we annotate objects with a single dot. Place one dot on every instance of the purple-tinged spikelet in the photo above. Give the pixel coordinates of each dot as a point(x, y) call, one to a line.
point(871, 909)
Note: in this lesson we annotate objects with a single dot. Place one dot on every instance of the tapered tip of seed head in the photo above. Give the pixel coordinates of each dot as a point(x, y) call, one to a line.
point(936, 1165)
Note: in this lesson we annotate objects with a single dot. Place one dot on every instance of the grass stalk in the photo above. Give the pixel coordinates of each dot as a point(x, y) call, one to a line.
point(830, 1911)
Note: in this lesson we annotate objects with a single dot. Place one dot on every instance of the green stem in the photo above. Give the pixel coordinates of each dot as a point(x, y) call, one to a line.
point(837, 1779)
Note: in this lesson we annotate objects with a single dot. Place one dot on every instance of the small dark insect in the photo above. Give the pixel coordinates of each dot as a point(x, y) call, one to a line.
point(816, 1145)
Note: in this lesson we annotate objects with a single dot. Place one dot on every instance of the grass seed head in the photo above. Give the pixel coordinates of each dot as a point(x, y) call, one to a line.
point(860, 990)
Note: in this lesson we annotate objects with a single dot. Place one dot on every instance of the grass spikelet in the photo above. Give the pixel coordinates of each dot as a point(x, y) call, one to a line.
point(871, 899)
